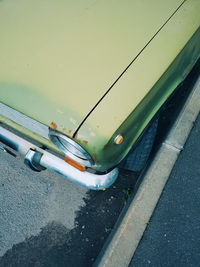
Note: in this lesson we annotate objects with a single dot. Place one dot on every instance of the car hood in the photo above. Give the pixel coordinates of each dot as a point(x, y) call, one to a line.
point(59, 59)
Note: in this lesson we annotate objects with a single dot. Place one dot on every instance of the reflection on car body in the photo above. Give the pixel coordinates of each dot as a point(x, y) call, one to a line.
point(81, 82)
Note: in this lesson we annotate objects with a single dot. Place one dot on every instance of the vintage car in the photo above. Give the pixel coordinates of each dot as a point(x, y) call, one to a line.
point(81, 82)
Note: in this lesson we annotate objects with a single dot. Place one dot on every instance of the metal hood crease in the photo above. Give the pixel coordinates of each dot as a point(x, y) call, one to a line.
point(58, 58)
point(93, 75)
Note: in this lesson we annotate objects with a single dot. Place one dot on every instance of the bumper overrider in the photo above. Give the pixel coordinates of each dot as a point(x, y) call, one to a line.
point(39, 159)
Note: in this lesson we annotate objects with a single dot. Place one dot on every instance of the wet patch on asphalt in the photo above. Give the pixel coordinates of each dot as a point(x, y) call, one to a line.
point(58, 246)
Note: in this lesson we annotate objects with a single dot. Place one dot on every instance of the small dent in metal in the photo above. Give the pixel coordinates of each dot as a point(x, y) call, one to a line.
point(73, 121)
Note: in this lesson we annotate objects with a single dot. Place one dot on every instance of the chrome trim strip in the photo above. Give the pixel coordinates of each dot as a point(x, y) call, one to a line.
point(52, 162)
point(24, 120)
point(70, 148)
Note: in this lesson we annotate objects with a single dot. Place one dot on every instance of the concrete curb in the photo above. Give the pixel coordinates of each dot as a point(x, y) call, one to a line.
point(121, 247)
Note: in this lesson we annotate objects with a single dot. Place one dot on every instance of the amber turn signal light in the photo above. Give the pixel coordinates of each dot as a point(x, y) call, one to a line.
point(75, 164)
point(119, 139)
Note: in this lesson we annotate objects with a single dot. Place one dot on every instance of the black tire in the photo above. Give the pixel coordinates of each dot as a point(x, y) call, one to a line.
point(138, 156)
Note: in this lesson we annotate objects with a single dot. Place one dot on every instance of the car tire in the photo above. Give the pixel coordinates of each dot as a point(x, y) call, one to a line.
point(138, 155)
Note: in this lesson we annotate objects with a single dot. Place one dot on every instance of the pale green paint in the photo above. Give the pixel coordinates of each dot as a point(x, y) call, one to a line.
point(57, 65)
point(136, 85)
point(111, 154)
point(58, 58)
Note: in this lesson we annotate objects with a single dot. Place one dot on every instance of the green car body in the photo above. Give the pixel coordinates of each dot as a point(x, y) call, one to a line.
point(94, 70)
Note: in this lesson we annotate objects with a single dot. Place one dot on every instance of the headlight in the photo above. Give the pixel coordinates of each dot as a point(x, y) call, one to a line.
point(70, 148)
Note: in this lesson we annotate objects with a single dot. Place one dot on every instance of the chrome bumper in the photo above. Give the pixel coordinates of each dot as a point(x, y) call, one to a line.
point(39, 159)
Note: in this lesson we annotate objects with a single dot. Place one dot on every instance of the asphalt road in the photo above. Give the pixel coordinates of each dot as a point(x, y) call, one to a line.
point(33, 201)
point(46, 220)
